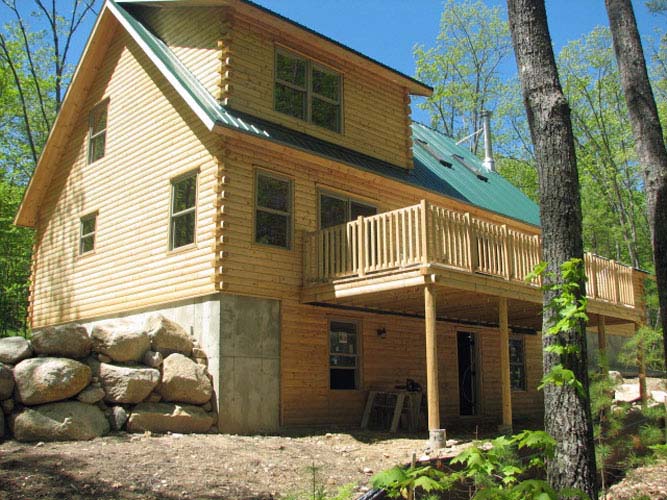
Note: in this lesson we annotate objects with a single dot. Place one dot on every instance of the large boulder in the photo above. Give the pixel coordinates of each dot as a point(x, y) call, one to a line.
point(65, 421)
point(127, 384)
point(6, 382)
point(91, 394)
point(43, 380)
point(68, 341)
point(166, 417)
point(168, 337)
point(120, 340)
point(184, 381)
point(14, 350)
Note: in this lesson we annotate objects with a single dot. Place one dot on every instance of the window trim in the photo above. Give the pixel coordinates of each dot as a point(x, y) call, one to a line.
point(104, 103)
point(308, 89)
point(172, 183)
point(82, 235)
point(340, 196)
point(290, 214)
point(524, 388)
point(358, 374)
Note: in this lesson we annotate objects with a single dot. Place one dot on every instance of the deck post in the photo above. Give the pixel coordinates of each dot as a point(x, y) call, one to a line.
point(602, 343)
point(641, 365)
point(506, 388)
point(432, 385)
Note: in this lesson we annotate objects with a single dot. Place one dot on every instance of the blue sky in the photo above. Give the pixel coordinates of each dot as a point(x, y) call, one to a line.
point(387, 30)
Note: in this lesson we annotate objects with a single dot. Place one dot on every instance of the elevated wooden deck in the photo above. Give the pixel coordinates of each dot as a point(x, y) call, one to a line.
point(383, 262)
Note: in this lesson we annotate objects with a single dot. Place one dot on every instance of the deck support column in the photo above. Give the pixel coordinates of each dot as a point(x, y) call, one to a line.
point(602, 343)
point(505, 384)
point(641, 366)
point(432, 385)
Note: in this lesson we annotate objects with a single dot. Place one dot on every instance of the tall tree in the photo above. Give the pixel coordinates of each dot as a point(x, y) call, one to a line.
point(567, 407)
point(612, 195)
point(463, 67)
point(649, 139)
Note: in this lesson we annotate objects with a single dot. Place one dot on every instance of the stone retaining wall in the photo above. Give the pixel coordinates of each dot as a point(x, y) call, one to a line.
point(68, 383)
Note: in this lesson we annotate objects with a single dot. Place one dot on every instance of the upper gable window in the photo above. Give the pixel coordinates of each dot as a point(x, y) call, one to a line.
point(307, 91)
point(97, 132)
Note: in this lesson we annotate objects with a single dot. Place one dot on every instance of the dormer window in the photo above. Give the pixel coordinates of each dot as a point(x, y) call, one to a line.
point(307, 91)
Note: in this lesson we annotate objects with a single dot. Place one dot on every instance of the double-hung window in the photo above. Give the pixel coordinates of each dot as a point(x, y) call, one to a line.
point(517, 365)
point(307, 91)
point(338, 209)
point(183, 211)
point(343, 355)
point(97, 131)
point(273, 210)
point(87, 229)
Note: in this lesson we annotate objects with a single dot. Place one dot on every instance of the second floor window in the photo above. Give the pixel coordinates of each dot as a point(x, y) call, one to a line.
point(338, 209)
point(97, 132)
point(183, 211)
point(273, 210)
point(307, 91)
point(88, 227)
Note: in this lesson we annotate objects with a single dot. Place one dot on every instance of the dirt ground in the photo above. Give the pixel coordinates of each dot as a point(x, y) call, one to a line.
point(199, 466)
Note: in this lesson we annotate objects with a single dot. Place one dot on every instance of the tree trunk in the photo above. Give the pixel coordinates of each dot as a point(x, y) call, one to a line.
point(649, 142)
point(567, 411)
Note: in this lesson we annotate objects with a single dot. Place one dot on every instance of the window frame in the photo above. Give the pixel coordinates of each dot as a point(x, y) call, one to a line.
point(172, 216)
point(308, 89)
point(83, 236)
point(289, 214)
point(357, 368)
point(348, 199)
point(102, 105)
point(524, 385)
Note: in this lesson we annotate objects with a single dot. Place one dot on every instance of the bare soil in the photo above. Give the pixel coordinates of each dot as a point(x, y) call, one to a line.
point(213, 466)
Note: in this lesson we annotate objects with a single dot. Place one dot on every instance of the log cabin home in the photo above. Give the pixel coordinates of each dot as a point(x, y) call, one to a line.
point(265, 186)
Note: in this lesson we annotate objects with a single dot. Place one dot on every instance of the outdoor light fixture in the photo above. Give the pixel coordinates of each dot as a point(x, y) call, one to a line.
point(382, 332)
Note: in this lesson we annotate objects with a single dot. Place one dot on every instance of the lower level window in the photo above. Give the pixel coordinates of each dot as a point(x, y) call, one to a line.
point(343, 355)
point(517, 365)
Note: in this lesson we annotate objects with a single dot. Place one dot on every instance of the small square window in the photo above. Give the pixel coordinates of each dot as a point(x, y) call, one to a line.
point(87, 228)
point(183, 211)
point(343, 356)
point(273, 210)
point(97, 132)
point(517, 365)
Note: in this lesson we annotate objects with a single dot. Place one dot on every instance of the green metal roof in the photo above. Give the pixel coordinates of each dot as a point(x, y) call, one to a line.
point(440, 165)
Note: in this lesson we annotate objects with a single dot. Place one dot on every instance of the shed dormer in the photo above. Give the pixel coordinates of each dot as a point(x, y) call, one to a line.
point(259, 63)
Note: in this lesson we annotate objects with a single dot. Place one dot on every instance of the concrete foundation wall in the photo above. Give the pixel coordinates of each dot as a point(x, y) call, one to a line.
point(249, 364)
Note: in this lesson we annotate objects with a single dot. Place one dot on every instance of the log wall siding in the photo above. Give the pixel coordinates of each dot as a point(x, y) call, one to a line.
point(152, 136)
point(386, 362)
point(193, 35)
point(373, 109)
point(253, 269)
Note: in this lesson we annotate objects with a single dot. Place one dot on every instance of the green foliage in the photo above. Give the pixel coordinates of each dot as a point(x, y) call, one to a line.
point(462, 67)
point(509, 468)
point(567, 307)
point(15, 250)
point(654, 354)
point(317, 490)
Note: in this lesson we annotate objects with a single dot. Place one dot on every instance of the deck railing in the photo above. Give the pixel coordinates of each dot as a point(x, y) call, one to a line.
point(428, 234)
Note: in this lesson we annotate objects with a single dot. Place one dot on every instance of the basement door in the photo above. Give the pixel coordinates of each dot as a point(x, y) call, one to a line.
point(467, 356)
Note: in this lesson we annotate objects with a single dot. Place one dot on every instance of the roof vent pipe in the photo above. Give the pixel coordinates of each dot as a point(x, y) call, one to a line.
point(489, 163)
